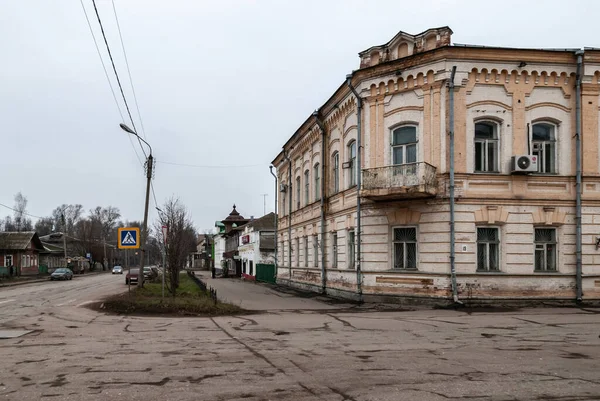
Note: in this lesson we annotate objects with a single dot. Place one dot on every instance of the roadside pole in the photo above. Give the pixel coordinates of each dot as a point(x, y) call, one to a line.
point(128, 269)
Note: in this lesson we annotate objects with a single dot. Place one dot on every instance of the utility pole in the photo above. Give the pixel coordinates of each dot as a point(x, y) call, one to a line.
point(264, 203)
point(145, 225)
point(64, 221)
point(149, 165)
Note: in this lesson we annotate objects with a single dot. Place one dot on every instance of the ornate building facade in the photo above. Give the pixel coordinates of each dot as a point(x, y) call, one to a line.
point(463, 183)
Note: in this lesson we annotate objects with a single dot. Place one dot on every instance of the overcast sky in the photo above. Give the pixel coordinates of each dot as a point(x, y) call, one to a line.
point(219, 83)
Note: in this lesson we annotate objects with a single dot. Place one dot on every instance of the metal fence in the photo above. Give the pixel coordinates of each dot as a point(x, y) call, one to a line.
point(211, 292)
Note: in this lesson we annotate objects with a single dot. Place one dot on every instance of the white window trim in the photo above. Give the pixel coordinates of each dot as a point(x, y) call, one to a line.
point(556, 253)
point(556, 145)
point(392, 242)
point(498, 126)
point(350, 261)
point(500, 237)
point(392, 146)
point(352, 171)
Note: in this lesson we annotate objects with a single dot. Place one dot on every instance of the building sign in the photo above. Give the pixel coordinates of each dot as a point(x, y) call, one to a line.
point(245, 239)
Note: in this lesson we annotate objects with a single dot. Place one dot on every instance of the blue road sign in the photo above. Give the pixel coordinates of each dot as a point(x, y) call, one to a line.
point(129, 238)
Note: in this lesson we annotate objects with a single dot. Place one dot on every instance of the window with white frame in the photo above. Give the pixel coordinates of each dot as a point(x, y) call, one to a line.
point(488, 249)
point(545, 249)
point(297, 193)
point(297, 252)
point(351, 253)
point(306, 188)
point(316, 250)
point(544, 146)
point(336, 172)
point(486, 147)
point(305, 251)
point(405, 247)
point(404, 145)
point(334, 251)
point(317, 177)
point(352, 162)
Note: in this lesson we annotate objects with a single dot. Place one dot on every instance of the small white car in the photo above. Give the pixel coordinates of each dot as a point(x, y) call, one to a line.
point(117, 270)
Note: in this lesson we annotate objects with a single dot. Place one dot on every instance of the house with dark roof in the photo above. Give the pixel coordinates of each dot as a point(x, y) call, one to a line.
point(257, 245)
point(19, 253)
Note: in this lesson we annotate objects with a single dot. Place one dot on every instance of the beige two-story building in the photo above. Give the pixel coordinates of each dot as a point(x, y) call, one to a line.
point(463, 182)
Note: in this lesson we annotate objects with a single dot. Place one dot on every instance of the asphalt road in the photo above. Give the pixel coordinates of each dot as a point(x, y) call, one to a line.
point(79, 354)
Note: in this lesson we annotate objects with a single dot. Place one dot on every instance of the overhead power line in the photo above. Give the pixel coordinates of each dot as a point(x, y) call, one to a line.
point(26, 214)
point(116, 74)
point(129, 71)
point(210, 166)
point(112, 90)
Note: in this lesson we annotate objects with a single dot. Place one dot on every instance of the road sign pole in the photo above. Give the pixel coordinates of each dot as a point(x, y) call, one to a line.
point(128, 269)
point(165, 233)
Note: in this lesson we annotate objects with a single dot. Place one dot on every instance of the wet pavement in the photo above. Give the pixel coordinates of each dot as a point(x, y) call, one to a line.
point(75, 353)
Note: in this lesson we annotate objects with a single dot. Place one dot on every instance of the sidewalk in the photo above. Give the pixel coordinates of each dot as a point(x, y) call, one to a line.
point(255, 296)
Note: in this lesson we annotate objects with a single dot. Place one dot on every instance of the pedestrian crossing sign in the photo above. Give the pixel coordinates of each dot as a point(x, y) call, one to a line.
point(129, 238)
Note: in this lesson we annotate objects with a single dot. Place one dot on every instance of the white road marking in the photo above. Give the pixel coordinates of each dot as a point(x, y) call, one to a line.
point(86, 302)
point(8, 300)
point(66, 303)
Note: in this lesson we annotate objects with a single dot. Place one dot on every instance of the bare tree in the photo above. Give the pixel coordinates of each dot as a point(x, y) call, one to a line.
point(106, 218)
point(44, 226)
point(181, 240)
point(21, 221)
point(71, 214)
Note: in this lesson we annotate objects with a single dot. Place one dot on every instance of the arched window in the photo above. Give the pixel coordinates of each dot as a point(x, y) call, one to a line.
point(336, 172)
point(352, 162)
point(544, 146)
point(297, 193)
point(404, 145)
point(317, 178)
point(486, 147)
point(306, 188)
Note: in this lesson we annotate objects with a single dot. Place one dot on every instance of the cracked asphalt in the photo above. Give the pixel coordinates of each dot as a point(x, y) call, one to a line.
point(331, 353)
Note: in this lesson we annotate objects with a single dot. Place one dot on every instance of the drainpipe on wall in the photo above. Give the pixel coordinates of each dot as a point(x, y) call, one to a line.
point(323, 186)
point(578, 265)
point(358, 184)
point(452, 228)
point(289, 189)
point(275, 218)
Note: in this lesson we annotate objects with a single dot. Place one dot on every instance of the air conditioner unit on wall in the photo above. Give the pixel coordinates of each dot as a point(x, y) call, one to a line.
point(524, 164)
point(282, 187)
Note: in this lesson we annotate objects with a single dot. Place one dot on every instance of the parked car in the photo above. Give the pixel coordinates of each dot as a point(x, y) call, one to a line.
point(62, 274)
point(132, 276)
point(149, 273)
point(117, 270)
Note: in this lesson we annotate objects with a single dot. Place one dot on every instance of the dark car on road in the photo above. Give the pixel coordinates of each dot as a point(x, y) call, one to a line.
point(132, 276)
point(62, 274)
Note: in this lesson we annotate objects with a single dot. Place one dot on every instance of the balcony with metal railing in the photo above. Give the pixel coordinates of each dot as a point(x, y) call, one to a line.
point(404, 181)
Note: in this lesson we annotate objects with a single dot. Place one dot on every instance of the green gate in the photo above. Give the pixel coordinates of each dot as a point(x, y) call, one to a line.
point(265, 273)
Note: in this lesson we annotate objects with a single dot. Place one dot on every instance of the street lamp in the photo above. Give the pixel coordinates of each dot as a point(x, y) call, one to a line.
point(149, 163)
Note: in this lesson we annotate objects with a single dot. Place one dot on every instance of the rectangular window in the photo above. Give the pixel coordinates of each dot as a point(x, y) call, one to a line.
point(305, 251)
point(351, 250)
point(297, 252)
point(405, 248)
point(488, 247)
point(404, 145)
point(316, 250)
point(486, 147)
point(545, 155)
point(352, 162)
point(317, 183)
point(545, 249)
point(334, 243)
point(297, 193)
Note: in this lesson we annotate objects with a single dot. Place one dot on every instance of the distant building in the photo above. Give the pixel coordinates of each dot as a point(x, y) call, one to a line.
point(19, 253)
point(257, 244)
